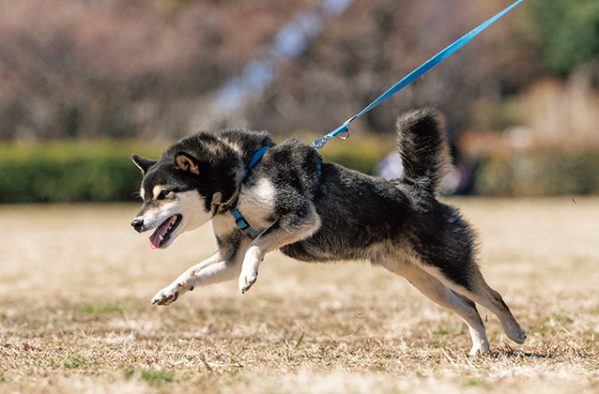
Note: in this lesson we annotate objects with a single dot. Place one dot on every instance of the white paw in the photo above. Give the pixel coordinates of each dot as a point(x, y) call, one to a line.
point(247, 279)
point(479, 349)
point(169, 294)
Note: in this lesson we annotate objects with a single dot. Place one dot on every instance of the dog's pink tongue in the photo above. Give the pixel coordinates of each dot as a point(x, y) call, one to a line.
point(159, 232)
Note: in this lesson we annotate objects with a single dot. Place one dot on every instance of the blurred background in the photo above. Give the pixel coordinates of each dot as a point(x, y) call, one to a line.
point(83, 84)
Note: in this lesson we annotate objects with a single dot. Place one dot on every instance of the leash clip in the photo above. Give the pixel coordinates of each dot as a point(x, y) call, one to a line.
point(320, 142)
point(341, 132)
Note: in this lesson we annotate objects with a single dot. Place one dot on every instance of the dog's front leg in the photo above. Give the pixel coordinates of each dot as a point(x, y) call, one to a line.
point(184, 282)
point(212, 270)
point(286, 230)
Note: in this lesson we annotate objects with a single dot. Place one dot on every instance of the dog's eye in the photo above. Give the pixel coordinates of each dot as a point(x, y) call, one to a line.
point(165, 194)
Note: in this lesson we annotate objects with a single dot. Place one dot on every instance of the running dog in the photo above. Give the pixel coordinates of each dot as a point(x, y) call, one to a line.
point(261, 197)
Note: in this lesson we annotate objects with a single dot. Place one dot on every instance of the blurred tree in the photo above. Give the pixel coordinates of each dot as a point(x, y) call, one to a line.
point(375, 43)
point(568, 33)
point(112, 68)
point(81, 69)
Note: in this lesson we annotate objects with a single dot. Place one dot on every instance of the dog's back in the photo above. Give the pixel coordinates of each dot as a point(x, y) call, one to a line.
point(362, 216)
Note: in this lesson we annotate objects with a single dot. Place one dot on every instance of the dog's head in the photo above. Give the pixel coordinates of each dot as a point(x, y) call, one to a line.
point(192, 180)
point(177, 196)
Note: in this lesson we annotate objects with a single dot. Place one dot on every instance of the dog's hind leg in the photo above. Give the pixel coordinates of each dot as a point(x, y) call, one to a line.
point(288, 229)
point(480, 292)
point(483, 294)
point(447, 298)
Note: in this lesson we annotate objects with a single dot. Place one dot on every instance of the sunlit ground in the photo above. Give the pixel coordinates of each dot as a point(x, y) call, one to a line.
point(75, 316)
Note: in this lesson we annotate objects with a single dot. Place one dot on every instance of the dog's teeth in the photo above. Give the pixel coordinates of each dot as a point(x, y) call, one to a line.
point(161, 237)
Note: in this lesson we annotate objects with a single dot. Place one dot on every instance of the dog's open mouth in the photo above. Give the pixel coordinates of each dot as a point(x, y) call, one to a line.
point(163, 233)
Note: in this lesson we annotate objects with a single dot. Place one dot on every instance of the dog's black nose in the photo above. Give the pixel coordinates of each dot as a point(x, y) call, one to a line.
point(138, 224)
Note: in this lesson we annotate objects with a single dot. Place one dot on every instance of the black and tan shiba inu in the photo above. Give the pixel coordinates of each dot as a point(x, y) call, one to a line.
point(262, 197)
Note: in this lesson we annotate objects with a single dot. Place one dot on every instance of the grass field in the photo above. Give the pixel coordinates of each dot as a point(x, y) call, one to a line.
point(75, 316)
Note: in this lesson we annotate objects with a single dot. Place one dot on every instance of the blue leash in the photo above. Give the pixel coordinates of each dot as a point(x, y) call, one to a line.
point(414, 75)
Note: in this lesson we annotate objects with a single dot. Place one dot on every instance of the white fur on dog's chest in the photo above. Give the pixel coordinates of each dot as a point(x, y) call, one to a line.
point(257, 202)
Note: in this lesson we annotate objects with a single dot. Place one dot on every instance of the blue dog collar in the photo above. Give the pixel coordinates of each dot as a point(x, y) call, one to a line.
point(240, 221)
point(256, 157)
point(243, 224)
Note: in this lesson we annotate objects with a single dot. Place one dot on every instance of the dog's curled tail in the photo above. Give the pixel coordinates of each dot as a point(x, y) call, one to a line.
point(423, 149)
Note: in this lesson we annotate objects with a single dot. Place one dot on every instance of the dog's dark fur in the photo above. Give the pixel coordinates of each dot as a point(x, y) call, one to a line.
point(315, 212)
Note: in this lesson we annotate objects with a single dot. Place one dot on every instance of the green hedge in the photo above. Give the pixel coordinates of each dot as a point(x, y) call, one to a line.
point(548, 173)
point(360, 153)
point(68, 172)
point(102, 170)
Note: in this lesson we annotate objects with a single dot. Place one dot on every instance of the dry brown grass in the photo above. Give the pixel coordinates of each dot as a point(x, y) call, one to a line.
point(75, 286)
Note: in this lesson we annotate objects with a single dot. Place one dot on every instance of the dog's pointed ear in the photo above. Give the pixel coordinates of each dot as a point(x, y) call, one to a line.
point(142, 163)
point(185, 162)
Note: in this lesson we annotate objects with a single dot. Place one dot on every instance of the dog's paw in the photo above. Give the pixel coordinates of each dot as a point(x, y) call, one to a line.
point(246, 280)
point(479, 349)
point(169, 294)
point(516, 333)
